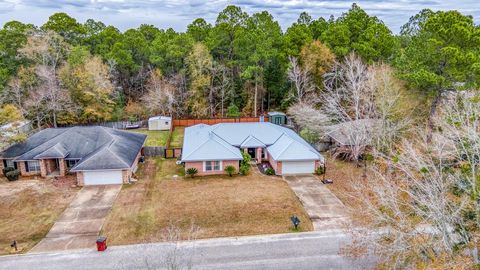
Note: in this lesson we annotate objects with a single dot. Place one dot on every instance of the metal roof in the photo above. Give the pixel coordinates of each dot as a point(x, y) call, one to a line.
point(217, 142)
point(160, 118)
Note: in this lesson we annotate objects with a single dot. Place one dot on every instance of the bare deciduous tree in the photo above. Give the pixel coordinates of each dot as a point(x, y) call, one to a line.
point(300, 78)
point(359, 103)
point(425, 197)
point(162, 96)
point(177, 253)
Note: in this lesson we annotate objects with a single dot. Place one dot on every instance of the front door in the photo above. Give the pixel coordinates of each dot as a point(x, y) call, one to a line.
point(252, 152)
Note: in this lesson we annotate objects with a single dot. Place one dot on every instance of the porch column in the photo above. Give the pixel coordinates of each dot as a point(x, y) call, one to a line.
point(62, 167)
point(43, 168)
point(259, 155)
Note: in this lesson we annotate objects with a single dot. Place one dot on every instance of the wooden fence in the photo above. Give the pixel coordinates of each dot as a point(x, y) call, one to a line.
point(160, 151)
point(213, 121)
point(173, 152)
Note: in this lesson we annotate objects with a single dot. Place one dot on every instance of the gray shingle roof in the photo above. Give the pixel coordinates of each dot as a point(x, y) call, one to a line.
point(96, 148)
point(217, 142)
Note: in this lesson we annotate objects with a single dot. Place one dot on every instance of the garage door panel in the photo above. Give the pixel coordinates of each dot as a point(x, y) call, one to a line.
point(102, 177)
point(298, 167)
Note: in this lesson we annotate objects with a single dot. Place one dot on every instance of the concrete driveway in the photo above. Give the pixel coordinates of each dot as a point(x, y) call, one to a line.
point(324, 209)
point(80, 224)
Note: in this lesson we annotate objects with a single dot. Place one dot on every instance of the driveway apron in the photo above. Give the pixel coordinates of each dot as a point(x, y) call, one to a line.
point(324, 209)
point(80, 224)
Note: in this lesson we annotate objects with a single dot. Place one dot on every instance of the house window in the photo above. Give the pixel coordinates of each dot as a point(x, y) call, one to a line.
point(71, 163)
point(166, 122)
point(32, 166)
point(213, 166)
point(9, 163)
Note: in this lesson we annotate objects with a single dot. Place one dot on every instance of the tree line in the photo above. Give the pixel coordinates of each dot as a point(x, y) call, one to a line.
point(70, 72)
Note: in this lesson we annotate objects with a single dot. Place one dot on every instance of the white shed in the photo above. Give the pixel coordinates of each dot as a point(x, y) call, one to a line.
point(159, 123)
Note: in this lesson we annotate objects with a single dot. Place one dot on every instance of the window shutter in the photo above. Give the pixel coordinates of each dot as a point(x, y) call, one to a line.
point(26, 166)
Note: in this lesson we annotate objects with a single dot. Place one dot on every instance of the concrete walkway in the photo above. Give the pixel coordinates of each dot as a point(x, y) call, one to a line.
point(80, 224)
point(324, 209)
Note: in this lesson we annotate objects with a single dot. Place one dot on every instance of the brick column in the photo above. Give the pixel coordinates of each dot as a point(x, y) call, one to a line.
point(62, 167)
point(80, 181)
point(259, 155)
point(43, 168)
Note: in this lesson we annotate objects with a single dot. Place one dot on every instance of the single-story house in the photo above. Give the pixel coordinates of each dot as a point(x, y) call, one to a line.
point(159, 123)
point(210, 149)
point(97, 155)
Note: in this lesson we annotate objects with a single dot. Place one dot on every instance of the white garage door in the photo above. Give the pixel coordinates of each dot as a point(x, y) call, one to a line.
point(298, 167)
point(102, 177)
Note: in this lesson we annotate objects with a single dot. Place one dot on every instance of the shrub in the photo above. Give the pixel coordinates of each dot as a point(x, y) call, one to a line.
point(245, 163)
point(191, 172)
point(12, 175)
point(269, 171)
point(233, 111)
point(309, 135)
point(6, 170)
point(319, 170)
point(230, 170)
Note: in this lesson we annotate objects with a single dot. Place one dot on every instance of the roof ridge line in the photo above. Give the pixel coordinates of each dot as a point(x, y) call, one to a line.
point(113, 154)
point(66, 129)
point(196, 148)
point(216, 135)
point(285, 148)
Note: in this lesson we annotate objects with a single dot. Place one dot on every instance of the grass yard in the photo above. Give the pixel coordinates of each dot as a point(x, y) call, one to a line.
point(177, 137)
point(219, 205)
point(154, 137)
point(28, 209)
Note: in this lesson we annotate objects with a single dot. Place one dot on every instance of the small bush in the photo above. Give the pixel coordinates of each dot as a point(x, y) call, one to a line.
point(191, 172)
point(269, 171)
point(12, 175)
point(319, 170)
point(245, 163)
point(230, 170)
point(6, 170)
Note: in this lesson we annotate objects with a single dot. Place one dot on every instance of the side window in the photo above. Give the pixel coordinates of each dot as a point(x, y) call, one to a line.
point(208, 166)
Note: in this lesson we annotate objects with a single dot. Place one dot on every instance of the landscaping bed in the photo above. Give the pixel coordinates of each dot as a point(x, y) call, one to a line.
point(219, 205)
point(28, 208)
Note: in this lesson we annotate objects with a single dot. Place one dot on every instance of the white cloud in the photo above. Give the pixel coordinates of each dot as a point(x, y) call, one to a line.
point(178, 14)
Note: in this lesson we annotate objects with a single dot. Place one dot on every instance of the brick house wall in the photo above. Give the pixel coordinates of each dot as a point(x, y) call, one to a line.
point(199, 166)
point(126, 174)
point(276, 165)
point(23, 170)
point(80, 179)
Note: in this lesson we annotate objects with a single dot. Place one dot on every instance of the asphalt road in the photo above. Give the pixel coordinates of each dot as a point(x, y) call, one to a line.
point(313, 250)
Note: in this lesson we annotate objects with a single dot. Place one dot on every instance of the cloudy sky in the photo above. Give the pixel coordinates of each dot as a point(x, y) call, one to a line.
point(178, 14)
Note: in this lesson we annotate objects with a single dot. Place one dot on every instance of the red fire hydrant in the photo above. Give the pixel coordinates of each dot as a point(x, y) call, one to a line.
point(101, 243)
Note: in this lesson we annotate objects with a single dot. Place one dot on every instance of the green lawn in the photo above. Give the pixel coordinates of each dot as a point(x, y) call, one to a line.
point(155, 137)
point(177, 137)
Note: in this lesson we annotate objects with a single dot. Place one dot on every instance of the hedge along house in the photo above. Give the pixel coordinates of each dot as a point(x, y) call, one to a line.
point(97, 155)
point(210, 149)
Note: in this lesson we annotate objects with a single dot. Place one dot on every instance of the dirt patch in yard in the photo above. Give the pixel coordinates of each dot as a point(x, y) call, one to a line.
point(28, 208)
point(344, 175)
point(219, 205)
